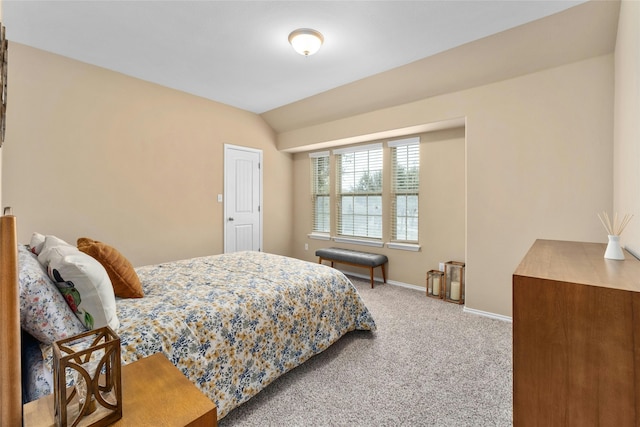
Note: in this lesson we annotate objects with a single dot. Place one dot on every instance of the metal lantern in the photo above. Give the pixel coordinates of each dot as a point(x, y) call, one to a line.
point(454, 282)
point(435, 284)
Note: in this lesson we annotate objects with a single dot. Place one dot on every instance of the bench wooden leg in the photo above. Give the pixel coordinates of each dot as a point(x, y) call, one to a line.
point(321, 259)
point(384, 273)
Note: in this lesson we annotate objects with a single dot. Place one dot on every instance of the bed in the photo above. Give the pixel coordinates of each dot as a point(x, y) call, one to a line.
point(232, 323)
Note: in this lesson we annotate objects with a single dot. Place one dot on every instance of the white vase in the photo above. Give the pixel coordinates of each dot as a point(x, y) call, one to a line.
point(614, 251)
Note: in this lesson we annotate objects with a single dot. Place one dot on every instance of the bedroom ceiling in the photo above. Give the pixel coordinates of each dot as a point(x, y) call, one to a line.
point(237, 53)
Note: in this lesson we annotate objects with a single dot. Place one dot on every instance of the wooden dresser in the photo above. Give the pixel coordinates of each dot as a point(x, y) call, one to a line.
point(576, 337)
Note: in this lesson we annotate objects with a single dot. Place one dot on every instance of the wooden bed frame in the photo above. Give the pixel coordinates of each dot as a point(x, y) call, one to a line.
point(10, 347)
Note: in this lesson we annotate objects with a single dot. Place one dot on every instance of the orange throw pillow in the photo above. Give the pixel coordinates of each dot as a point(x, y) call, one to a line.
point(125, 280)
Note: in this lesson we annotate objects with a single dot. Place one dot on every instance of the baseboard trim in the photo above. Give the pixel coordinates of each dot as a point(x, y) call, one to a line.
point(421, 289)
point(389, 282)
point(488, 314)
point(407, 285)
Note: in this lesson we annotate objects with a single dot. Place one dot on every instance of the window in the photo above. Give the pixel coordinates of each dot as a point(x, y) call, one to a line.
point(358, 207)
point(405, 182)
point(320, 192)
point(359, 191)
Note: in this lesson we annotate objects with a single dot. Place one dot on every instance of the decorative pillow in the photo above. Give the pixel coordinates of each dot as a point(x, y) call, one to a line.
point(53, 242)
point(37, 242)
point(44, 313)
point(83, 282)
point(125, 281)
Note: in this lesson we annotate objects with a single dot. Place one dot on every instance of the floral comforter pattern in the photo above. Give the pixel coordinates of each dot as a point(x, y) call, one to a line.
point(233, 323)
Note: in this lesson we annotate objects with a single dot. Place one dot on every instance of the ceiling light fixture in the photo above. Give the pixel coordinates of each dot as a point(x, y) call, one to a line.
point(306, 41)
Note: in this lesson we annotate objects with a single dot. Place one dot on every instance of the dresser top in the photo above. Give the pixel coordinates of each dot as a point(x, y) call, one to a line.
point(580, 262)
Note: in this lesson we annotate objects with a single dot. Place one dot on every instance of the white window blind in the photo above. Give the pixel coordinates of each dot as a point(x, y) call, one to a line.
point(359, 191)
point(320, 192)
point(405, 186)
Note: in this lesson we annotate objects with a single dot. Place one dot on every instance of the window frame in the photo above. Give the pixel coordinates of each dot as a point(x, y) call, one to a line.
point(366, 225)
point(317, 192)
point(396, 191)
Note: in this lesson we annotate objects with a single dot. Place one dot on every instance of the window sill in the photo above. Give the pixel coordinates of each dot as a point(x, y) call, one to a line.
point(319, 236)
point(374, 243)
point(404, 246)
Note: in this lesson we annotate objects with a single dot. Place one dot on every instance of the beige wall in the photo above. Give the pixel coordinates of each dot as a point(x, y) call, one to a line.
point(626, 169)
point(539, 160)
point(1, 203)
point(539, 165)
point(442, 198)
point(96, 153)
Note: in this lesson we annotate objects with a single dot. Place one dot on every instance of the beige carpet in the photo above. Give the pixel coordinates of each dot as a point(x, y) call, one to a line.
point(428, 364)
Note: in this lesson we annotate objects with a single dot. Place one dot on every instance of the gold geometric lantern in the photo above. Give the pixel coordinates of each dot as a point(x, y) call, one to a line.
point(93, 360)
point(435, 284)
point(454, 282)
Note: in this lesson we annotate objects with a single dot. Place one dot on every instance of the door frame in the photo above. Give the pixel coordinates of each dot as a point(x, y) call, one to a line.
point(228, 147)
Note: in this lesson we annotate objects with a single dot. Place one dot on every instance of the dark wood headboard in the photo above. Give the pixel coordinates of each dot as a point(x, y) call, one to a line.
point(10, 371)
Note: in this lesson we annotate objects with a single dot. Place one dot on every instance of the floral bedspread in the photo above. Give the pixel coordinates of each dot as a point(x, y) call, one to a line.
point(233, 323)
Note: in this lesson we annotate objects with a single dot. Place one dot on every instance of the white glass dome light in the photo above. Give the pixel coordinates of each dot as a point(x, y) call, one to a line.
point(306, 41)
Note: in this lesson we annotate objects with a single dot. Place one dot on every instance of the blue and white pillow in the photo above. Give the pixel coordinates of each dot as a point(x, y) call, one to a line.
point(44, 313)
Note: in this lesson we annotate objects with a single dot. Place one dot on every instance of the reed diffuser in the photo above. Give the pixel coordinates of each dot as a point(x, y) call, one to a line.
point(614, 230)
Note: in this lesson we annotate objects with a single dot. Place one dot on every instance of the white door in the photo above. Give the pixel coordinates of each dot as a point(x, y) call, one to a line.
point(243, 199)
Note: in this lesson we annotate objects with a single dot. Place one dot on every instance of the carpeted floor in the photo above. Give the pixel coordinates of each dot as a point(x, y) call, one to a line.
point(428, 364)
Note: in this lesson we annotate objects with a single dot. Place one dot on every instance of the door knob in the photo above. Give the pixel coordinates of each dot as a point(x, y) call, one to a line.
point(230, 219)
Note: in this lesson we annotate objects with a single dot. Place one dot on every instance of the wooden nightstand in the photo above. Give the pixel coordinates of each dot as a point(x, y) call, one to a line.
point(154, 392)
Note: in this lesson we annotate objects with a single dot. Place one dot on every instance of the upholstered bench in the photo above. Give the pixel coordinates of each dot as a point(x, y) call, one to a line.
point(355, 258)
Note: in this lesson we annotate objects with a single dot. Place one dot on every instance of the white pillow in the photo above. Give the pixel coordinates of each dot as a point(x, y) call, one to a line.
point(52, 242)
point(36, 243)
point(83, 282)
